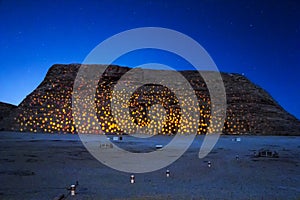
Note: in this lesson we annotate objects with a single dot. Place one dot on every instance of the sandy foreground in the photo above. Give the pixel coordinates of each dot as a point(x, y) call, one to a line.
point(42, 166)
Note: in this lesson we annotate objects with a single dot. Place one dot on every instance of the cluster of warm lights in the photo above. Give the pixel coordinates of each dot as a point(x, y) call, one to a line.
point(238, 115)
point(50, 110)
point(143, 112)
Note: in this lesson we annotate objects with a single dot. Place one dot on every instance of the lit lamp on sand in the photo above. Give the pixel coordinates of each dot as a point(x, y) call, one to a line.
point(73, 188)
point(132, 179)
point(209, 164)
point(168, 173)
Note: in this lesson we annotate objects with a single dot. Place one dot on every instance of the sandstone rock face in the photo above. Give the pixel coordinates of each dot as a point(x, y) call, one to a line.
point(5, 110)
point(250, 109)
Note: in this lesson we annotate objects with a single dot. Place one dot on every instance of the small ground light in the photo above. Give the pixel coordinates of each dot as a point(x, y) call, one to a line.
point(73, 188)
point(132, 179)
point(168, 173)
point(209, 164)
point(237, 157)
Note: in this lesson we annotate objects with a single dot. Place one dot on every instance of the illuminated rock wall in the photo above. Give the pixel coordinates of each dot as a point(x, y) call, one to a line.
point(250, 109)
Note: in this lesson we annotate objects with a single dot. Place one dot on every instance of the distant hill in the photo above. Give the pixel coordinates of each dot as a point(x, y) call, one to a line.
point(5, 110)
point(250, 109)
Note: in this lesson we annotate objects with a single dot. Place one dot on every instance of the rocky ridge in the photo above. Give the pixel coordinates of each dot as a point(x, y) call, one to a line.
point(250, 109)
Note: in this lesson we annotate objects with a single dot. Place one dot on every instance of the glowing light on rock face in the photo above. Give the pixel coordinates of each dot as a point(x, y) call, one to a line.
point(50, 109)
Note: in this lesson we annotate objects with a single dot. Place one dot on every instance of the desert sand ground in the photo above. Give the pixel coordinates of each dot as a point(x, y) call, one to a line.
point(42, 166)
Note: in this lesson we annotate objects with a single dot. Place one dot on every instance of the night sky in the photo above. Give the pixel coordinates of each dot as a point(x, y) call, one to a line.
point(260, 39)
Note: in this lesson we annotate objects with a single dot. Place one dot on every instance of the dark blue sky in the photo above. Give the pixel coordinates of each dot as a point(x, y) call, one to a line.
point(258, 38)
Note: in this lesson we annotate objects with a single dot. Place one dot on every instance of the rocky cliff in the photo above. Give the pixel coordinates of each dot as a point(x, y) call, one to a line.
point(5, 110)
point(250, 109)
